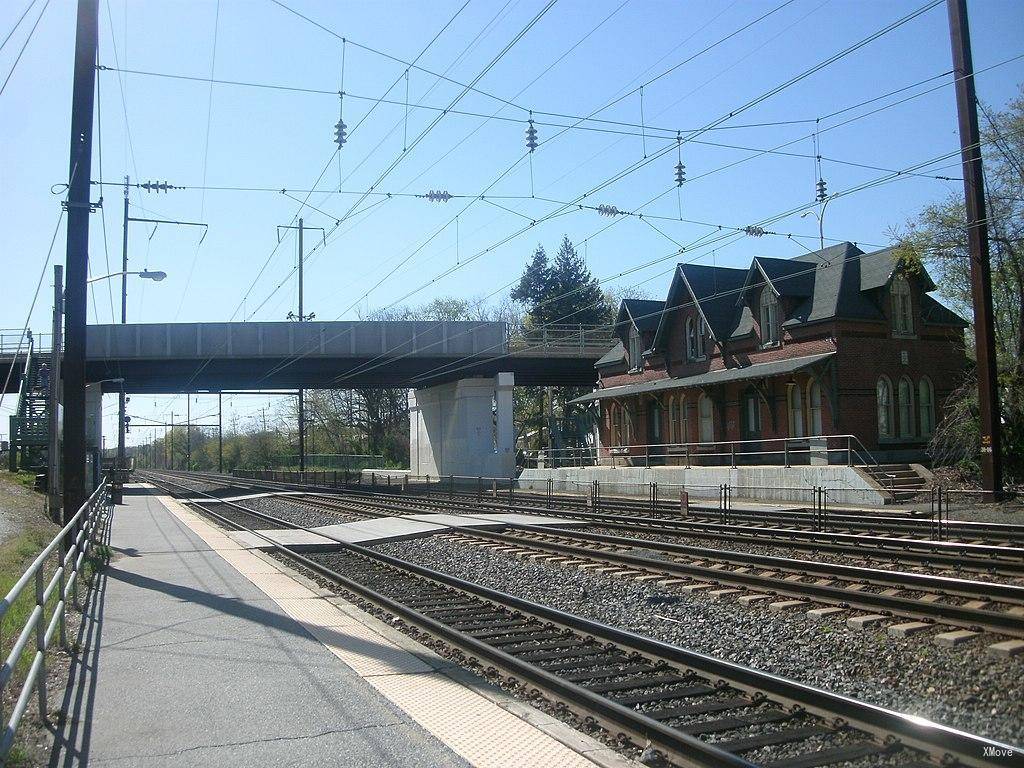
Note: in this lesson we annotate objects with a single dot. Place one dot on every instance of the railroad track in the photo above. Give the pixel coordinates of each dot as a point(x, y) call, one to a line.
point(695, 710)
point(870, 521)
point(954, 555)
point(974, 605)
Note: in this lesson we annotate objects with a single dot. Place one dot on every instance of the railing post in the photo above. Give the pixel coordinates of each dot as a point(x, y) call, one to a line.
point(849, 451)
point(684, 502)
point(785, 450)
point(511, 490)
point(41, 645)
point(551, 484)
point(732, 454)
point(60, 596)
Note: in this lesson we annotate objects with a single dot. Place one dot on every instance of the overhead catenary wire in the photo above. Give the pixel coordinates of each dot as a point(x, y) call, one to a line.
point(697, 243)
point(330, 161)
point(24, 45)
point(206, 157)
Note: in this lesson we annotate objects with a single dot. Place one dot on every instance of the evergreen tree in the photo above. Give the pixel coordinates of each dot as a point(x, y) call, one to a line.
point(561, 292)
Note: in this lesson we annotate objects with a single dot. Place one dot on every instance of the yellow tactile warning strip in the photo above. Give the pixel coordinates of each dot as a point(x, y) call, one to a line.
point(483, 726)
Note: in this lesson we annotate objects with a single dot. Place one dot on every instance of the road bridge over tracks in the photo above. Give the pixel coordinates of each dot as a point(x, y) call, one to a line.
point(165, 358)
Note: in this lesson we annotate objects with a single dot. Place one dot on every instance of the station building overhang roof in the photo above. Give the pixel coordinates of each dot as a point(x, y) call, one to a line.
point(709, 379)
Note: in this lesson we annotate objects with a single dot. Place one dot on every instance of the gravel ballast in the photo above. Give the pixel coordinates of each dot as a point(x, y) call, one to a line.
point(962, 687)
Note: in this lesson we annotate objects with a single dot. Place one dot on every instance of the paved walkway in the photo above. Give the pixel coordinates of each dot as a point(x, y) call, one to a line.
point(187, 663)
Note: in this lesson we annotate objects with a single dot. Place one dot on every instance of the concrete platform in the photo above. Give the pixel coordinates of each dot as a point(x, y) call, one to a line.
point(198, 653)
point(382, 529)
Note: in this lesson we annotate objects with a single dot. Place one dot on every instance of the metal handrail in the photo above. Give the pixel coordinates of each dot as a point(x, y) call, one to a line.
point(64, 581)
point(23, 385)
point(784, 447)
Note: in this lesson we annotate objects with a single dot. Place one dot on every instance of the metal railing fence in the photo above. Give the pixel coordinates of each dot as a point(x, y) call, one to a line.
point(90, 518)
point(13, 341)
point(569, 336)
point(775, 451)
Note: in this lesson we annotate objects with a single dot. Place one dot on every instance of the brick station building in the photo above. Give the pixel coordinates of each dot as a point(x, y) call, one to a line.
point(835, 342)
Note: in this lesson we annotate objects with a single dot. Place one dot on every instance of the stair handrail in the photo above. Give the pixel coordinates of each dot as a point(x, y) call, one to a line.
point(27, 371)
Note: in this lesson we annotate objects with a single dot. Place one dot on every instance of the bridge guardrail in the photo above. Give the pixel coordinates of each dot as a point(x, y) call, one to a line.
point(90, 517)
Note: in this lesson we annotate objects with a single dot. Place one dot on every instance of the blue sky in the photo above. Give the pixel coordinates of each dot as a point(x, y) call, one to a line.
point(192, 135)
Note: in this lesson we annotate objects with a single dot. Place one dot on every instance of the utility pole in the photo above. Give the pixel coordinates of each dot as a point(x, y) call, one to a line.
point(220, 433)
point(172, 441)
point(77, 255)
point(188, 432)
point(149, 187)
point(302, 317)
point(977, 236)
point(52, 455)
point(124, 319)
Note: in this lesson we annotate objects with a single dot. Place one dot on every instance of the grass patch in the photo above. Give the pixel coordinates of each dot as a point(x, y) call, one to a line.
point(25, 479)
point(16, 554)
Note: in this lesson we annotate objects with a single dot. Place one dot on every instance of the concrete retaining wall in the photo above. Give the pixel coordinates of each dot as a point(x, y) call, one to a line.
point(846, 485)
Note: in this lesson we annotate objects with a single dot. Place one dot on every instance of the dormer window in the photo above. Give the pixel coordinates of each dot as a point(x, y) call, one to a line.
point(902, 309)
point(769, 317)
point(635, 350)
point(695, 333)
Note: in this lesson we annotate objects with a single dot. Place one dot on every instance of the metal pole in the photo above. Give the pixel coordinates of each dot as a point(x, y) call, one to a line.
point(53, 457)
point(172, 441)
point(77, 255)
point(977, 235)
point(124, 319)
point(220, 434)
point(188, 432)
point(302, 392)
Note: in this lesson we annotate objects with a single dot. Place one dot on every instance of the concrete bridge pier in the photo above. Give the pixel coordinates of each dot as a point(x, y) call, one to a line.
point(463, 428)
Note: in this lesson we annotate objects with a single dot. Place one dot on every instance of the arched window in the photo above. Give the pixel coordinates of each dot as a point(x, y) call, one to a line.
point(706, 419)
point(885, 410)
point(926, 406)
point(701, 333)
point(635, 361)
point(796, 411)
point(906, 403)
point(902, 310)
point(769, 316)
point(691, 339)
point(654, 421)
point(814, 407)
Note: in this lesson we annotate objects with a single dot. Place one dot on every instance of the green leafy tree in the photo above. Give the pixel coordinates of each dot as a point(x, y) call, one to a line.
point(937, 238)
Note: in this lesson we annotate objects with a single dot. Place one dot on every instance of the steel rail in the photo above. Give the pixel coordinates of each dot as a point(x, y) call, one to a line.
point(934, 611)
point(879, 521)
point(892, 728)
point(954, 555)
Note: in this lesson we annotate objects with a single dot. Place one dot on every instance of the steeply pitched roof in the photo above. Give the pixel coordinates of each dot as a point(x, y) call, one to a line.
point(786, 276)
point(712, 288)
point(834, 282)
point(614, 356)
point(934, 313)
point(643, 313)
point(877, 269)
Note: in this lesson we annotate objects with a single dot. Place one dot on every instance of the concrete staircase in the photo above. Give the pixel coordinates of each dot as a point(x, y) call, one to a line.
point(900, 480)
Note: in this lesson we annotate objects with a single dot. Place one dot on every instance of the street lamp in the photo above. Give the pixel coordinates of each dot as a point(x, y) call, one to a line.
point(821, 222)
point(155, 276)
